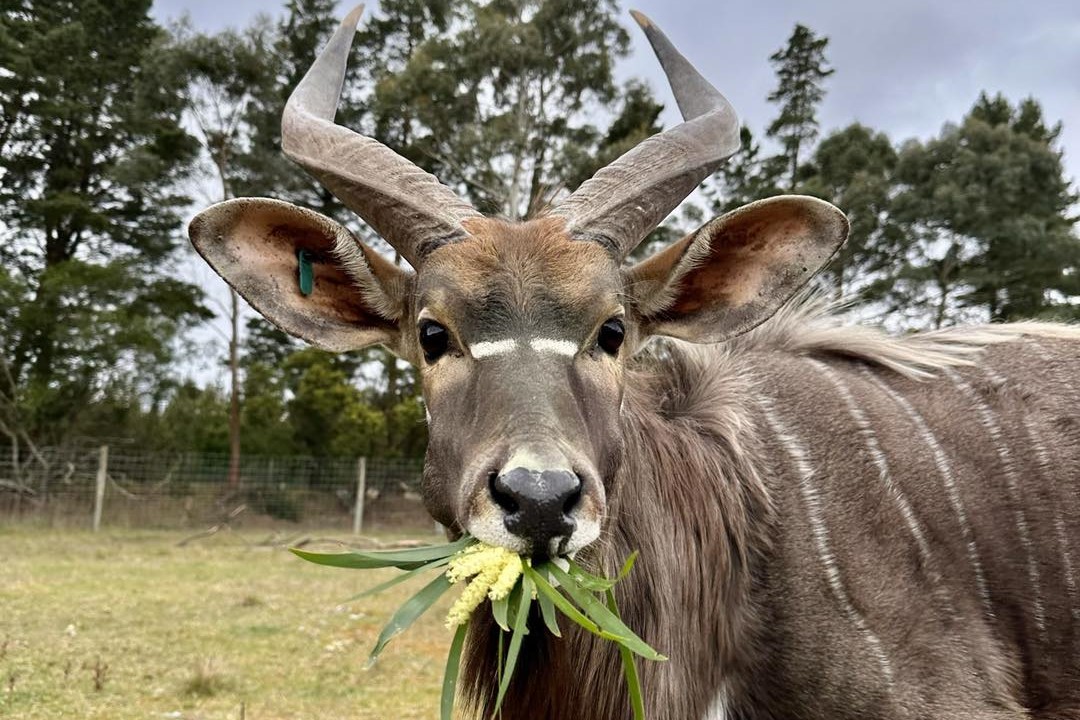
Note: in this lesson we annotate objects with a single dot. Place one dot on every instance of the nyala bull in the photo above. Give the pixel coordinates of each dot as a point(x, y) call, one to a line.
point(832, 523)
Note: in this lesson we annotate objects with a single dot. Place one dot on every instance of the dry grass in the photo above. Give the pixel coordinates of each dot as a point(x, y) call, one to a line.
point(127, 625)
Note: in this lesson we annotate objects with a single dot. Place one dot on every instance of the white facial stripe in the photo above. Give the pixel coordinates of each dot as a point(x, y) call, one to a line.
point(558, 347)
point(489, 348)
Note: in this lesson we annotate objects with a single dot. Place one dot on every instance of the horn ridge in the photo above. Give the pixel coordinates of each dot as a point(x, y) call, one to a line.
point(406, 205)
point(625, 201)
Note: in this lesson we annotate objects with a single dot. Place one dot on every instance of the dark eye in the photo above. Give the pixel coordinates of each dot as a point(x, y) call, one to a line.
point(434, 339)
point(611, 336)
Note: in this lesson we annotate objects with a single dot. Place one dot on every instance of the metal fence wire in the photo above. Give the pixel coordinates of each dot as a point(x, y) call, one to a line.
point(125, 487)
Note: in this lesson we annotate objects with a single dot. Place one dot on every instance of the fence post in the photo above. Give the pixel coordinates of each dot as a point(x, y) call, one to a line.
point(361, 489)
point(99, 492)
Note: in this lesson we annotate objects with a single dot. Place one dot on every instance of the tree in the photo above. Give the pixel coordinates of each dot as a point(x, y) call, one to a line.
point(989, 205)
point(745, 177)
point(285, 55)
point(327, 412)
point(93, 150)
point(225, 73)
point(801, 68)
point(499, 104)
point(853, 168)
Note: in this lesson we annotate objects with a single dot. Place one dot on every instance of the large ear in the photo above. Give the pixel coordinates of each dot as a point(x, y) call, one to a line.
point(355, 298)
point(737, 270)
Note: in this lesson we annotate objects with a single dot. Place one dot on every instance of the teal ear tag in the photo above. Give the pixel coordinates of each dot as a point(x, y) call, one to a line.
point(307, 273)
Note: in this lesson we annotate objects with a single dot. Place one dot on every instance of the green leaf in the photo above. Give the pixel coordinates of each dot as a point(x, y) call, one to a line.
point(565, 607)
point(610, 624)
point(499, 610)
point(633, 684)
point(547, 610)
point(407, 614)
point(453, 665)
point(409, 575)
point(401, 559)
point(520, 624)
point(589, 581)
point(627, 566)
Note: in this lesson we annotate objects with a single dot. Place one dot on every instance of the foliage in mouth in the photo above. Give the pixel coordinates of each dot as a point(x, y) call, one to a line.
point(511, 583)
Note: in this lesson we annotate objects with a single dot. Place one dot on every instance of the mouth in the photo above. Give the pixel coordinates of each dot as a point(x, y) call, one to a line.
point(489, 526)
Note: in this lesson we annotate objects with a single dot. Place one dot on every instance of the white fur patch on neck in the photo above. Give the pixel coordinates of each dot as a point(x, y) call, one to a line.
point(488, 348)
point(558, 347)
point(718, 707)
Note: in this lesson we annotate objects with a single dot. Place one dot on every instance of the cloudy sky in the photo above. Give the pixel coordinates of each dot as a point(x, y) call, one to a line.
point(902, 66)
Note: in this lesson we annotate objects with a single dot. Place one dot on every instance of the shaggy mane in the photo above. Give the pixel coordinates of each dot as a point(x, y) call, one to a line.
point(812, 325)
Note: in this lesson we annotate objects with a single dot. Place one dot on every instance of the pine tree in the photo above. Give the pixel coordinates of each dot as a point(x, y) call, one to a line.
point(853, 168)
point(990, 205)
point(801, 68)
point(93, 150)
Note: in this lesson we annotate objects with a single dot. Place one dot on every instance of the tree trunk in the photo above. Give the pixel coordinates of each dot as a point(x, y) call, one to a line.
point(234, 392)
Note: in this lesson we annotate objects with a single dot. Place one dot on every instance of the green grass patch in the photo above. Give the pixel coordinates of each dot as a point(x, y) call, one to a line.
point(127, 625)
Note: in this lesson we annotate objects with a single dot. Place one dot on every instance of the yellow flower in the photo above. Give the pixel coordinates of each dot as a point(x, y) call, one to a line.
point(494, 572)
point(508, 577)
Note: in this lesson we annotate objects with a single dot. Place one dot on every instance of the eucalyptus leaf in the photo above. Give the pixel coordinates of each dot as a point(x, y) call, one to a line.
point(633, 684)
point(402, 559)
point(609, 623)
point(627, 566)
point(547, 610)
point(565, 606)
point(407, 614)
point(453, 665)
point(516, 636)
point(397, 579)
point(499, 610)
point(589, 581)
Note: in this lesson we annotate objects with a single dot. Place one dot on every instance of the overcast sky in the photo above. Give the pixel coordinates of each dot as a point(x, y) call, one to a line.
point(902, 66)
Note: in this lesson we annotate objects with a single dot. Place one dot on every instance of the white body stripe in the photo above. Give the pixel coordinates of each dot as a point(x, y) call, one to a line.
point(1042, 459)
point(1039, 350)
point(812, 501)
point(866, 431)
point(559, 347)
point(989, 421)
point(489, 348)
point(948, 481)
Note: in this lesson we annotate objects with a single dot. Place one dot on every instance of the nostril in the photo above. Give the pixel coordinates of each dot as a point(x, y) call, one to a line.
point(501, 494)
point(573, 498)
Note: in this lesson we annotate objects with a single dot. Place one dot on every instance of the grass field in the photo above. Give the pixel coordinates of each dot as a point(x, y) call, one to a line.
point(129, 625)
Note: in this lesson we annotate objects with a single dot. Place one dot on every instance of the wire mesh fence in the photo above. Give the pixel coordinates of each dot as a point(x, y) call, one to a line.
point(125, 487)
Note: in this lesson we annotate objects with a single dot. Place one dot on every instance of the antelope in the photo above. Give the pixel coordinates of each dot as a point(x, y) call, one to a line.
point(832, 522)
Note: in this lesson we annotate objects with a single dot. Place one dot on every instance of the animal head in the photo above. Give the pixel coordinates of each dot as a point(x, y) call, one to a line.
point(523, 332)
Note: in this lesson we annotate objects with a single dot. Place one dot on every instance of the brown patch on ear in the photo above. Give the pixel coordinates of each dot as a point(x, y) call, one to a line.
point(736, 271)
point(253, 244)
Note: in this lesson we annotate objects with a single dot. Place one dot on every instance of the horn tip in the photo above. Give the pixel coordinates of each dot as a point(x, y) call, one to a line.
point(641, 19)
point(353, 18)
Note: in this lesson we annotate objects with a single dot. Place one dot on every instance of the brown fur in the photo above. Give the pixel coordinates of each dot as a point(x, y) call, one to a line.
point(729, 584)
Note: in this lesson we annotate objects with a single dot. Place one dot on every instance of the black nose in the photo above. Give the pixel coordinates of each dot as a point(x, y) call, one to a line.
point(537, 504)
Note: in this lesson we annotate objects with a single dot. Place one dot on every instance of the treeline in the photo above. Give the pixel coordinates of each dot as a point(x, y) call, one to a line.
point(974, 224)
point(111, 128)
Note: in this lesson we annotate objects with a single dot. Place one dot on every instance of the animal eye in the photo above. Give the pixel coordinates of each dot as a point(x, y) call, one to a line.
point(434, 340)
point(611, 336)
